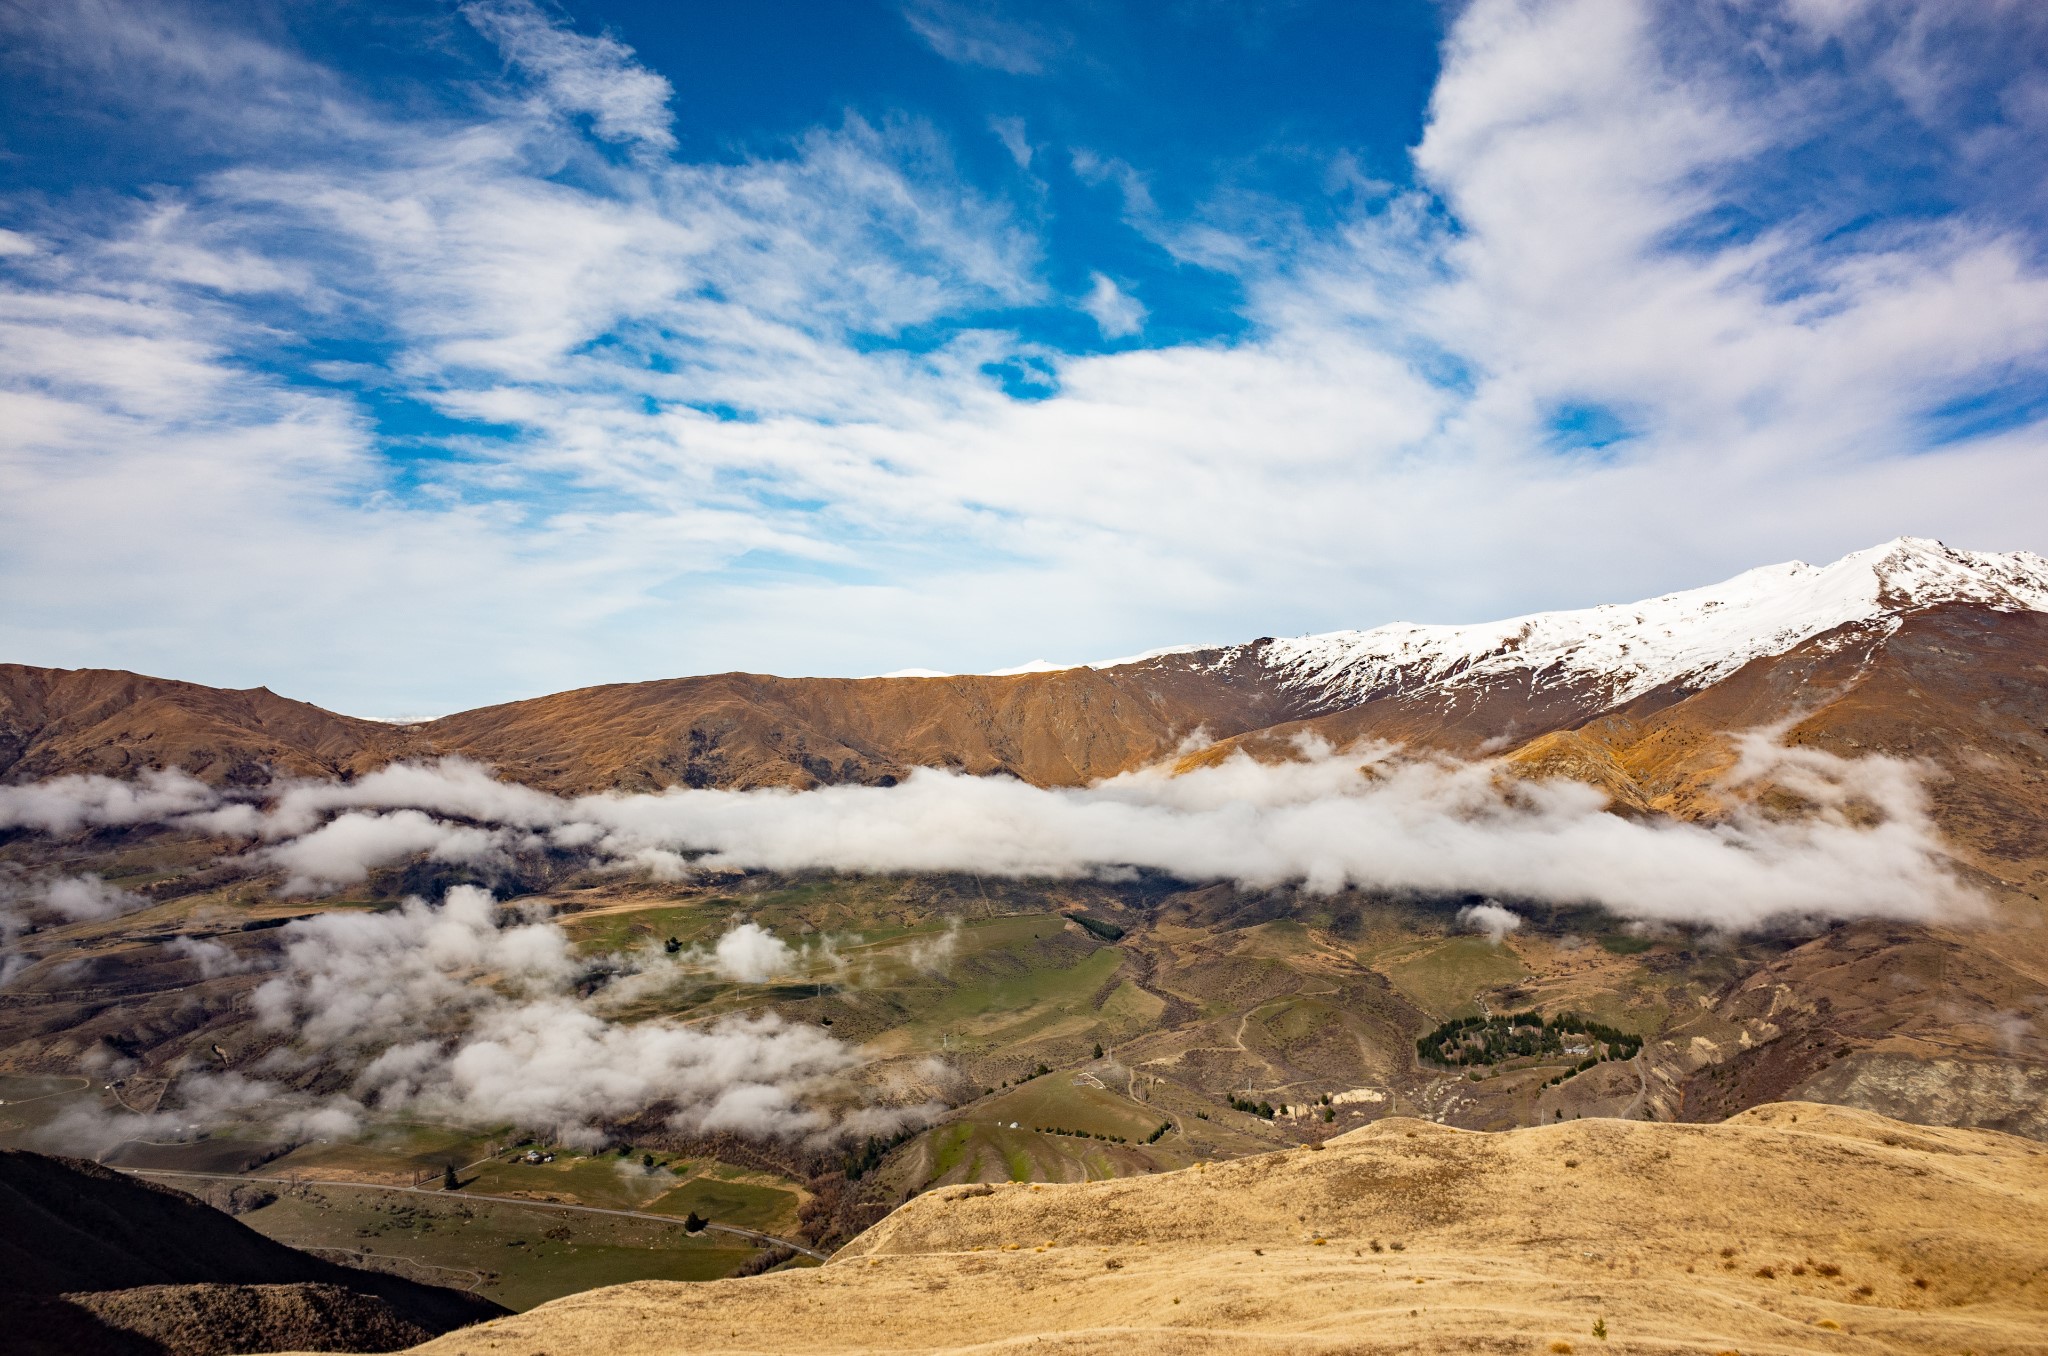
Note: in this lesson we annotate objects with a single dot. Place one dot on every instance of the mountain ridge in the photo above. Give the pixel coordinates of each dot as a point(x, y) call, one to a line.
point(1483, 688)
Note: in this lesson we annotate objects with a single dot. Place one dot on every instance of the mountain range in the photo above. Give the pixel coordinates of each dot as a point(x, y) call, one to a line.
point(1484, 687)
point(1135, 1026)
point(1910, 648)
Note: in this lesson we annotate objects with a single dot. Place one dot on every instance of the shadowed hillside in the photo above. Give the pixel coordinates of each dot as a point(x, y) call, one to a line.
point(92, 1260)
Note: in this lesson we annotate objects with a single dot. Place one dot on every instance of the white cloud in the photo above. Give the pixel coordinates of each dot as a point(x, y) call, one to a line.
point(65, 805)
point(720, 461)
point(750, 954)
point(1373, 818)
point(1010, 131)
point(1115, 312)
point(87, 898)
point(597, 76)
point(345, 850)
point(212, 959)
point(974, 33)
point(204, 1101)
point(399, 998)
point(1492, 919)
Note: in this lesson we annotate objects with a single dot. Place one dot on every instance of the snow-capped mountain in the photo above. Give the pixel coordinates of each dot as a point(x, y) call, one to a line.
point(1623, 650)
point(1487, 687)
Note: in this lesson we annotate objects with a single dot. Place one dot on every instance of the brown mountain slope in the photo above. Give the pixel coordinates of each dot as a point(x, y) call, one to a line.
point(56, 722)
point(1791, 1228)
point(730, 730)
point(1960, 685)
point(744, 730)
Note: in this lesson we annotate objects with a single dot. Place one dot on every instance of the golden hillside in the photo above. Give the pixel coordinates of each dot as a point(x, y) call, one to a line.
point(1791, 1228)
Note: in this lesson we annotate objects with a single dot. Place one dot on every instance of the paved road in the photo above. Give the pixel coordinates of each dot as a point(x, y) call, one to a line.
point(767, 1239)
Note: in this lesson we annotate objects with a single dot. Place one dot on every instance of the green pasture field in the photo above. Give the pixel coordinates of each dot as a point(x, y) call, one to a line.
point(1059, 1101)
point(717, 1191)
point(689, 923)
point(1009, 1008)
point(220, 1153)
point(391, 1152)
point(1443, 980)
point(29, 1102)
point(604, 1180)
point(981, 1151)
point(983, 1147)
point(1130, 1011)
point(744, 1205)
point(519, 1256)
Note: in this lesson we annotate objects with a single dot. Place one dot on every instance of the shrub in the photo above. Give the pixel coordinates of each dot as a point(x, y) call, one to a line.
point(693, 1223)
point(765, 1261)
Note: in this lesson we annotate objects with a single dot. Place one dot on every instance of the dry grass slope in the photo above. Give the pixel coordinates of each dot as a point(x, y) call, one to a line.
point(1791, 1228)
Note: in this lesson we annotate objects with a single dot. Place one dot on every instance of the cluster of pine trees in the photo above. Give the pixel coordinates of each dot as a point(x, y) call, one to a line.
point(1263, 1110)
point(860, 1162)
point(1468, 1041)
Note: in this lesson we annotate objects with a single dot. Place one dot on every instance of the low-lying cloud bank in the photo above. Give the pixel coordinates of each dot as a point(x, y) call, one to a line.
point(472, 1012)
point(469, 1013)
point(1863, 844)
point(460, 1013)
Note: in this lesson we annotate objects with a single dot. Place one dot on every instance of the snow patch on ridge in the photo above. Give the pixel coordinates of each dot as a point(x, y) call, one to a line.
point(1696, 637)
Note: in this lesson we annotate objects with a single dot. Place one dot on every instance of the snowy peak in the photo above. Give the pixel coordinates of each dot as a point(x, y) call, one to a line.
point(1918, 572)
point(1692, 638)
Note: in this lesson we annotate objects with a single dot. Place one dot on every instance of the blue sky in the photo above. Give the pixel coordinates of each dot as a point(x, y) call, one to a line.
point(406, 357)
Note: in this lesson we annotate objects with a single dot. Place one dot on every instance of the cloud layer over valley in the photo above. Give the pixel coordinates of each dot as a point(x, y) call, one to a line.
point(475, 1012)
point(1863, 844)
point(467, 1012)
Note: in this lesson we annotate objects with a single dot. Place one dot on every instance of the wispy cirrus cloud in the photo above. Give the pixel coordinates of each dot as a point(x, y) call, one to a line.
point(575, 74)
point(981, 33)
